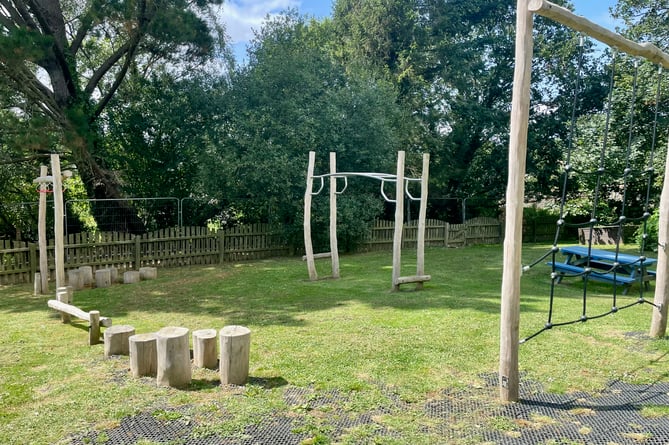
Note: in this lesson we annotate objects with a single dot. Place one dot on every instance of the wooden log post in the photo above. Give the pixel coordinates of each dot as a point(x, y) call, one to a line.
point(37, 284)
point(143, 354)
point(102, 278)
point(75, 279)
point(113, 274)
point(59, 219)
point(399, 221)
point(204, 348)
point(94, 327)
point(131, 277)
point(148, 273)
point(422, 216)
point(173, 354)
point(509, 378)
point(334, 247)
point(64, 295)
point(117, 340)
point(308, 246)
point(41, 234)
point(235, 349)
point(86, 275)
point(658, 324)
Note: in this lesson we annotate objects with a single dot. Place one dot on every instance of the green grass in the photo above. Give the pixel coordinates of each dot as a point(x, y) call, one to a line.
point(351, 335)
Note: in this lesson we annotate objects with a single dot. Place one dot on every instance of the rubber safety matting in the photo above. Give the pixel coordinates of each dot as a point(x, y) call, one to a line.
point(622, 414)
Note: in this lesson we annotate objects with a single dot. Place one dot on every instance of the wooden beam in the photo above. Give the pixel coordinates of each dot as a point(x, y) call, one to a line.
point(308, 246)
point(422, 215)
point(334, 247)
point(658, 326)
point(76, 312)
point(581, 24)
point(509, 379)
point(399, 220)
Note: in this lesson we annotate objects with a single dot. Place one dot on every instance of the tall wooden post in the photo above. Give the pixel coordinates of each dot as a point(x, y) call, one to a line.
point(58, 220)
point(399, 221)
point(422, 215)
point(515, 196)
point(658, 325)
point(41, 233)
point(308, 247)
point(334, 248)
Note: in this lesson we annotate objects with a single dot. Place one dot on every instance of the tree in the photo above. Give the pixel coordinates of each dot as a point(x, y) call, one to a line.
point(291, 98)
point(64, 61)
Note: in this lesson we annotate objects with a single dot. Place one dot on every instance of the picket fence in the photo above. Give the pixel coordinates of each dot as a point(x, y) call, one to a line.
point(187, 246)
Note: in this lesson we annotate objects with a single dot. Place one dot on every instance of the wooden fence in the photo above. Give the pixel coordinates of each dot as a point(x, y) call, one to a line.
point(186, 246)
point(175, 247)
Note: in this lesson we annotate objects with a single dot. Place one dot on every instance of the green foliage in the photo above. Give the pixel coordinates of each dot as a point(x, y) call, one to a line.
point(647, 235)
point(293, 98)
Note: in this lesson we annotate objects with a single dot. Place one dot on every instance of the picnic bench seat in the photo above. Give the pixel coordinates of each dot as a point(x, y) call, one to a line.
point(606, 277)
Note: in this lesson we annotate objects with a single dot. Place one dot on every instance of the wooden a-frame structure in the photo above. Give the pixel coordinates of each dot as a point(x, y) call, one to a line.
point(515, 192)
point(401, 190)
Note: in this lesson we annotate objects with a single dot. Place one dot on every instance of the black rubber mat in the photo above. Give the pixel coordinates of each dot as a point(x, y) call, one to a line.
point(471, 415)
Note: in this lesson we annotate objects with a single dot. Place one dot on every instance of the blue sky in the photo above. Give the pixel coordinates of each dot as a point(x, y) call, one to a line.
point(244, 16)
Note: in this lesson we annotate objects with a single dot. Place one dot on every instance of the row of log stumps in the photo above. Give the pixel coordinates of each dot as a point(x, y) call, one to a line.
point(84, 277)
point(166, 355)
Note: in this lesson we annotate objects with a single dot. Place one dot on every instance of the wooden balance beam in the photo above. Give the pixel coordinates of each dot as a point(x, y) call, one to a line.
point(93, 318)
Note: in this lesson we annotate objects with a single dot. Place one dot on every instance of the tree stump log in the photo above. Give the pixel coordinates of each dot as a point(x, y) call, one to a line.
point(204, 348)
point(65, 295)
point(116, 340)
point(102, 278)
point(143, 355)
point(75, 279)
point(174, 368)
point(130, 277)
point(113, 274)
point(235, 348)
point(148, 273)
point(87, 275)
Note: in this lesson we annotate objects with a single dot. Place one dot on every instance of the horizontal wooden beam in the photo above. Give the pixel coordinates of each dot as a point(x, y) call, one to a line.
point(76, 312)
point(581, 24)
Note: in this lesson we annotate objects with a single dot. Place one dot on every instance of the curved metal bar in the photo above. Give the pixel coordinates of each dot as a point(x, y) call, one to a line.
point(406, 188)
point(339, 192)
point(320, 188)
point(383, 193)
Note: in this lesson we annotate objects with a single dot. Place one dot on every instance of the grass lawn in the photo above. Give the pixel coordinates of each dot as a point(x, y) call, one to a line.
point(350, 336)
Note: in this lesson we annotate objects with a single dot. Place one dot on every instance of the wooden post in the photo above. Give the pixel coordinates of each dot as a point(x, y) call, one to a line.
point(581, 24)
point(308, 246)
point(221, 245)
point(143, 355)
point(148, 273)
point(41, 234)
point(399, 221)
point(138, 252)
point(509, 378)
point(235, 349)
point(63, 296)
point(131, 277)
point(59, 220)
point(102, 278)
point(658, 325)
point(94, 327)
point(86, 273)
point(173, 356)
point(422, 215)
point(116, 340)
point(75, 279)
point(334, 249)
point(204, 348)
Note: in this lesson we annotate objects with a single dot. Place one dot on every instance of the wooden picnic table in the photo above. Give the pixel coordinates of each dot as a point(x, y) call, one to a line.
point(605, 265)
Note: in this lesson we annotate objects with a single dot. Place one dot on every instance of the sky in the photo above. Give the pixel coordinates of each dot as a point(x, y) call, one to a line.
point(244, 16)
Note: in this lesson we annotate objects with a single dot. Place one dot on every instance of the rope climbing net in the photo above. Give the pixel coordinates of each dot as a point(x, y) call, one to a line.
point(589, 268)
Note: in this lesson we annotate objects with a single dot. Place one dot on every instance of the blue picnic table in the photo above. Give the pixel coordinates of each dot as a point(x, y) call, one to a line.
point(604, 265)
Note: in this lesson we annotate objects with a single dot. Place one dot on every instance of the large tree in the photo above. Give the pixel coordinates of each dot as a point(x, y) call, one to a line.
point(65, 60)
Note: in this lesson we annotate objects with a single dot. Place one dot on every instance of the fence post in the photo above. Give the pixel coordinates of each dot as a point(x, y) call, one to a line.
point(447, 229)
point(32, 259)
point(221, 246)
point(138, 252)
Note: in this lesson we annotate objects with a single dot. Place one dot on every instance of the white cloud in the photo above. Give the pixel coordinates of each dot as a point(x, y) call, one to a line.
point(242, 17)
